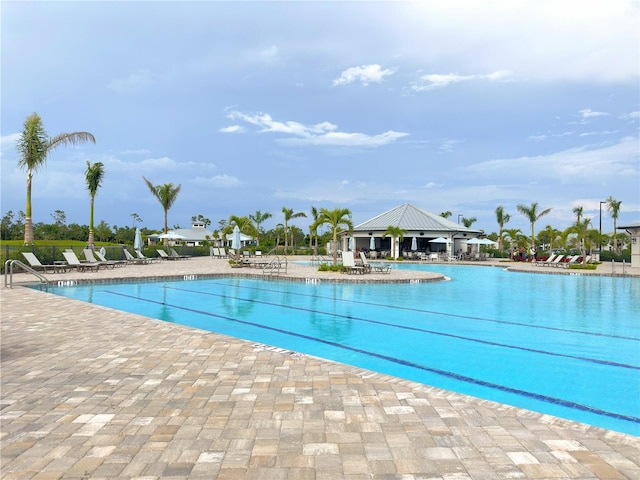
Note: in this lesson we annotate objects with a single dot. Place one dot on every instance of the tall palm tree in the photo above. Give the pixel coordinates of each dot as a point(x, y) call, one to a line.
point(613, 206)
point(394, 233)
point(166, 195)
point(313, 230)
point(338, 219)
point(578, 211)
point(289, 215)
point(258, 218)
point(94, 175)
point(34, 146)
point(533, 216)
point(446, 214)
point(502, 218)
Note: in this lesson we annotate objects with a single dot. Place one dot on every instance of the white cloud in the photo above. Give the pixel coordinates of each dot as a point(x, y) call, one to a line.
point(324, 133)
point(588, 113)
point(365, 74)
point(437, 80)
point(232, 129)
point(219, 181)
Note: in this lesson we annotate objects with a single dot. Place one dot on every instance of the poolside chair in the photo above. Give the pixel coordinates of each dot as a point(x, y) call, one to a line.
point(131, 259)
point(141, 256)
point(573, 260)
point(102, 258)
point(365, 263)
point(164, 255)
point(350, 264)
point(553, 262)
point(177, 256)
point(73, 262)
point(36, 265)
point(88, 255)
point(542, 262)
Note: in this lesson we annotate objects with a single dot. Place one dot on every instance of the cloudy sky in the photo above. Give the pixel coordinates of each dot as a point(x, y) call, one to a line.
point(454, 106)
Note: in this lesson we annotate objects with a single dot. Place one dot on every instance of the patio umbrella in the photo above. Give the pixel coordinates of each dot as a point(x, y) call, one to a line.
point(235, 240)
point(414, 244)
point(137, 241)
point(440, 240)
point(486, 241)
point(350, 243)
point(372, 243)
point(172, 236)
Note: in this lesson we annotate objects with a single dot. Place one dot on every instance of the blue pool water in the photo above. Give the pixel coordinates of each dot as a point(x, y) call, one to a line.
point(564, 345)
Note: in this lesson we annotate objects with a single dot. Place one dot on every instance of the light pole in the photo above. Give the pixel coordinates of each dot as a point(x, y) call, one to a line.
point(600, 238)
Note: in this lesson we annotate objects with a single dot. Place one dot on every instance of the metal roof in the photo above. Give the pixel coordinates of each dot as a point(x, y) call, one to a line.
point(412, 218)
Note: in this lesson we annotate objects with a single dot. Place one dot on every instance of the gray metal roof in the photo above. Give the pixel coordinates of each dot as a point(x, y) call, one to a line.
point(410, 217)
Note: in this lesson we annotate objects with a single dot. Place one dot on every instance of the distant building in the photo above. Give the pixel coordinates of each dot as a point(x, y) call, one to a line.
point(193, 236)
point(633, 229)
point(422, 228)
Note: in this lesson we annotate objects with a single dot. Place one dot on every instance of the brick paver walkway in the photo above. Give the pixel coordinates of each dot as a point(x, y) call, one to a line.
point(93, 393)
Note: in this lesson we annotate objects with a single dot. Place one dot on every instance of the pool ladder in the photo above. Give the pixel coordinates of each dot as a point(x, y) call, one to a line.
point(8, 274)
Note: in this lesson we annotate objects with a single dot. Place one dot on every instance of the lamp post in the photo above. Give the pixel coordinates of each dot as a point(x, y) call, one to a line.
point(600, 238)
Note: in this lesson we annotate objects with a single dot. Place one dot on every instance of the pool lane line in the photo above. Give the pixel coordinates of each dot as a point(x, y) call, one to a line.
point(433, 312)
point(462, 378)
point(598, 361)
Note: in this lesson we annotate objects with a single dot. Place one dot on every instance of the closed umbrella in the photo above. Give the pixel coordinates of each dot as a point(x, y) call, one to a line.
point(414, 244)
point(235, 240)
point(372, 243)
point(137, 241)
point(350, 243)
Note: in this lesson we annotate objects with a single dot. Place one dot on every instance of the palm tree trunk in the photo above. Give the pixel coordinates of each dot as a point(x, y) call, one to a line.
point(91, 230)
point(28, 222)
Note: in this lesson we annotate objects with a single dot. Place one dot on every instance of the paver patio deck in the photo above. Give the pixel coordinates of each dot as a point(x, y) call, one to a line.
point(90, 392)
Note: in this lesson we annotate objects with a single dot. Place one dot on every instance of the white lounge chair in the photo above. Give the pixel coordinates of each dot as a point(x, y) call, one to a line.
point(164, 255)
point(102, 258)
point(36, 265)
point(131, 259)
point(350, 264)
point(73, 262)
point(365, 263)
point(88, 255)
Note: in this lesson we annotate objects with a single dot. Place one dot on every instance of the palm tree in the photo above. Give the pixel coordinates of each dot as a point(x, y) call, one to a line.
point(313, 230)
point(94, 175)
point(395, 233)
point(581, 229)
point(513, 234)
point(502, 218)
point(578, 211)
point(532, 215)
point(467, 222)
point(613, 206)
point(166, 195)
point(446, 214)
point(34, 146)
point(338, 219)
point(289, 215)
point(258, 218)
point(550, 235)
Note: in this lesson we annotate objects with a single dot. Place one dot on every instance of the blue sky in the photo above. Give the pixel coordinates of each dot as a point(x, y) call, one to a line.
point(450, 105)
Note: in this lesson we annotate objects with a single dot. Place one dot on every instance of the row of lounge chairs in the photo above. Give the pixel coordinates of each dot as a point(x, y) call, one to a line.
point(560, 261)
point(94, 260)
point(363, 265)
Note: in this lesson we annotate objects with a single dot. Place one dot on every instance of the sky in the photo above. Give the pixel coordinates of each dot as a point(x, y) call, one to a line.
point(455, 105)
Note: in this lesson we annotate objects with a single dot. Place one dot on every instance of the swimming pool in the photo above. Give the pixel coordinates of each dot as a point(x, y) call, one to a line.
point(564, 345)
